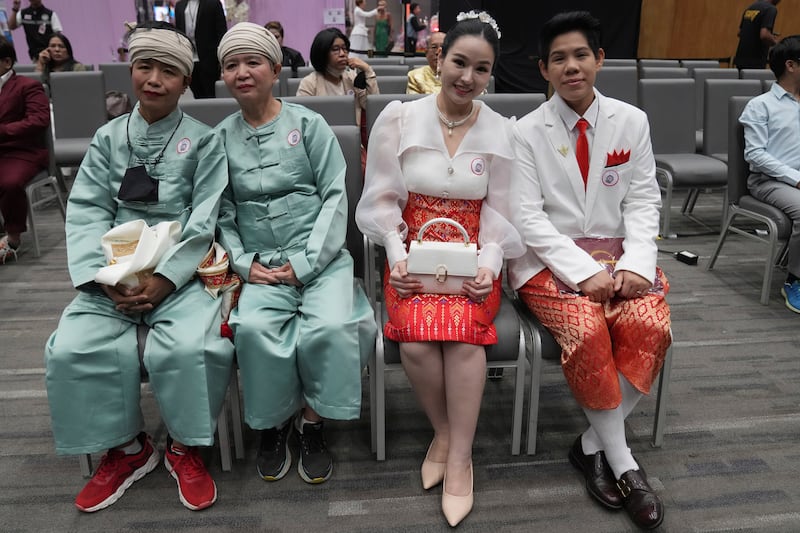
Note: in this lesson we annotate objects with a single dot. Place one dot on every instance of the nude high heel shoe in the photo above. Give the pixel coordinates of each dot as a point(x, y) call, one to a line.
point(456, 508)
point(432, 473)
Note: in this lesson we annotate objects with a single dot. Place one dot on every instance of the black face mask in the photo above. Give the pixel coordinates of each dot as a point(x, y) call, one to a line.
point(138, 186)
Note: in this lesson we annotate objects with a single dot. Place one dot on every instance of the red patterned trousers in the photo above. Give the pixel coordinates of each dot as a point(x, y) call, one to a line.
point(598, 340)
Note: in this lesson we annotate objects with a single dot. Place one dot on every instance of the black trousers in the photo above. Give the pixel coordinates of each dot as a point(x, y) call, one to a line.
point(204, 76)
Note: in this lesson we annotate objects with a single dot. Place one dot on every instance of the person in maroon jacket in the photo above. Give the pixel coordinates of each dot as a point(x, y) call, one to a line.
point(24, 119)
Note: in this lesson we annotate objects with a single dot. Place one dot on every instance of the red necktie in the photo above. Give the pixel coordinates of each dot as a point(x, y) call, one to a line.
point(582, 149)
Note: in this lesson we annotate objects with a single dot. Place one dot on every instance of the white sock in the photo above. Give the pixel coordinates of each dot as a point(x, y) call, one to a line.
point(131, 449)
point(609, 424)
point(630, 397)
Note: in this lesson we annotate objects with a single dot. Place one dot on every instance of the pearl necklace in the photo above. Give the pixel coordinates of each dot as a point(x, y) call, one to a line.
point(450, 124)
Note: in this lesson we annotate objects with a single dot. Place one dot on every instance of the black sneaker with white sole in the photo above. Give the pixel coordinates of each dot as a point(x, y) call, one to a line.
point(274, 457)
point(315, 464)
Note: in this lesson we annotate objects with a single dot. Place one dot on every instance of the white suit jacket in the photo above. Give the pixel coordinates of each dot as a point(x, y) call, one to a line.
point(550, 207)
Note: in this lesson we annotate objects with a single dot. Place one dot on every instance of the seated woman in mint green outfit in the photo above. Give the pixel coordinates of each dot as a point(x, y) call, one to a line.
point(143, 165)
point(302, 329)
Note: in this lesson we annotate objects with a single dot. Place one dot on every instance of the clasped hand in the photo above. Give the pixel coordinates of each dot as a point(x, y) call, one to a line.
point(601, 287)
point(476, 289)
point(141, 299)
point(283, 275)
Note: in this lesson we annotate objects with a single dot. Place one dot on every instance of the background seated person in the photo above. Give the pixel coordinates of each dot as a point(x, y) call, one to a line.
point(425, 79)
point(24, 121)
point(57, 57)
point(772, 147)
point(291, 57)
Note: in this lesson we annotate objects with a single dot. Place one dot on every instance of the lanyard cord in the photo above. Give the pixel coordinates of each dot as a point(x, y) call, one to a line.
point(160, 155)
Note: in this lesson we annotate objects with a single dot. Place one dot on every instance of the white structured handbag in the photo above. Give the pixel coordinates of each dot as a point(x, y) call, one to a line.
point(442, 267)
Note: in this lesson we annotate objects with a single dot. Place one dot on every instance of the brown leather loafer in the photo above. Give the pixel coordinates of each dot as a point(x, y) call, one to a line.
point(643, 505)
point(600, 480)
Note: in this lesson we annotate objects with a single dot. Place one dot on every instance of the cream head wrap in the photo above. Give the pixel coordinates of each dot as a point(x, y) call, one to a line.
point(167, 46)
point(249, 38)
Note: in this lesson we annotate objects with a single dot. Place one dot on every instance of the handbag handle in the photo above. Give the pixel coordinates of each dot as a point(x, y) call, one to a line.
point(442, 220)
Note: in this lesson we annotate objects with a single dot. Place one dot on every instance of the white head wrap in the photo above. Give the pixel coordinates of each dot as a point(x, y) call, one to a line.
point(167, 46)
point(249, 38)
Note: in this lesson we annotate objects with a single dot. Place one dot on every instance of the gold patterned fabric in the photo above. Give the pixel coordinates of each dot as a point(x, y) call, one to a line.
point(423, 80)
point(600, 339)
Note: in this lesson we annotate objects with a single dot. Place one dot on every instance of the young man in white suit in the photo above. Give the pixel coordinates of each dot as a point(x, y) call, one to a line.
point(586, 203)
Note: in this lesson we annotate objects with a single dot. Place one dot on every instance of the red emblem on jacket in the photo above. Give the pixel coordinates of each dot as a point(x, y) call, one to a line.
point(617, 158)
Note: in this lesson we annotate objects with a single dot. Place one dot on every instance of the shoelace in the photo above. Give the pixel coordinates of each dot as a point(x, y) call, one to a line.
point(273, 438)
point(189, 465)
point(312, 441)
point(109, 465)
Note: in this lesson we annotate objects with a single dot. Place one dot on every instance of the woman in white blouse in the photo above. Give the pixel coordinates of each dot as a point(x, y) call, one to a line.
point(359, 35)
point(445, 155)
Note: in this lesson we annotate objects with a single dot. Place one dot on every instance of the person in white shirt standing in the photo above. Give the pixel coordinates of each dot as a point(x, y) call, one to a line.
point(38, 22)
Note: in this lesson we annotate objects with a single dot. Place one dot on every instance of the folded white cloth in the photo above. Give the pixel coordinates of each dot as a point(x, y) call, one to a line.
point(133, 250)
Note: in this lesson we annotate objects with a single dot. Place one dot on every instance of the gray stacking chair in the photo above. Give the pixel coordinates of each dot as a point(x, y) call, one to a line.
point(756, 74)
point(79, 109)
point(337, 110)
point(388, 70)
point(715, 118)
point(232, 403)
point(415, 61)
point(509, 352)
point(766, 85)
point(302, 72)
point(376, 103)
point(669, 104)
point(543, 347)
point(744, 206)
point(292, 84)
point(692, 64)
point(616, 62)
point(393, 84)
point(621, 83)
point(660, 63)
point(210, 111)
point(388, 60)
point(513, 104)
point(39, 183)
point(663, 72)
point(700, 76)
point(117, 77)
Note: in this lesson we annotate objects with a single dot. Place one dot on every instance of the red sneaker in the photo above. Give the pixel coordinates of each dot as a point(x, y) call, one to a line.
point(196, 489)
point(117, 472)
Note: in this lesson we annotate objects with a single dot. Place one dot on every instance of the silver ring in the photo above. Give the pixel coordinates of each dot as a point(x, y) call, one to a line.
point(639, 293)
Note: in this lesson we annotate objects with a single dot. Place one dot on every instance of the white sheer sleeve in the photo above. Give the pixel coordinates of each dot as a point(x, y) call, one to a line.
point(498, 238)
point(379, 213)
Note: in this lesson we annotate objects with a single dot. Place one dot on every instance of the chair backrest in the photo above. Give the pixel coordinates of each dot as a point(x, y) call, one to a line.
point(285, 74)
point(490, 86)
point(392, 84)
point(662, 63)
point(669, 104)
point(349, 138)
point(209, 111)
point(33, 75)
point(700, 76)
point(663, 72)
point(513, 104)
point(692, 64)
point(715, 120)
point(117, 77)
point(738, 169)
point(415, 61)
point(756, 74)
point(621, 83)
point(337, 110)
point(292, 84)
point(302, 72)
point(19, 69)
point(389, 60)
point(388, 70)
point(79, 103)
point(766, 85)
point(376, 103)
point(617, 62)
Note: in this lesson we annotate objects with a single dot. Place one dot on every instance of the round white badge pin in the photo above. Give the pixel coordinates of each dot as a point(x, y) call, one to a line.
point(184, 145)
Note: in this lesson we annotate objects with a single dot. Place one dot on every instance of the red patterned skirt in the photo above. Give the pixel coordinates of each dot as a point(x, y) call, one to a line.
point(441, 317)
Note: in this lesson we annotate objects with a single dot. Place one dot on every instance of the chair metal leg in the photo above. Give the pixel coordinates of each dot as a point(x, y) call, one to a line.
point(86, 464)
point(236, 414)
point(373, 410)
point(535, 383)
point(224, 435)
point(661, 401)
point(380, 400)
point(519, 394)
point(667, 206)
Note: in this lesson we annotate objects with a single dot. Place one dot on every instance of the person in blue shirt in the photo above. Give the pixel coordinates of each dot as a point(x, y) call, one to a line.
point(772, 148)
